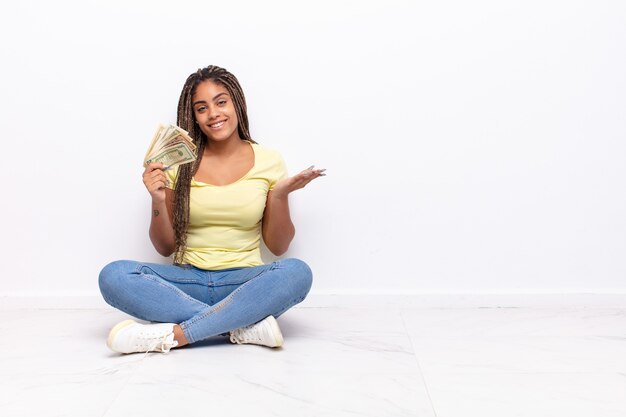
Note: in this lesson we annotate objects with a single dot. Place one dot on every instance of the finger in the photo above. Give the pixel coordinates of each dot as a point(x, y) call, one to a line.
point(315, 174)
point(303, 181)
point(310, 170)
point(154, 166)
point(310, 173)
point(157, 173)
point(148, 182)
point(156, 186)
point(162, 179)
point(303, 178)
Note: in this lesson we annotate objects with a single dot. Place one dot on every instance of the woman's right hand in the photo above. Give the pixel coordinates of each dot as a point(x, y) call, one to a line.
point(155, 181)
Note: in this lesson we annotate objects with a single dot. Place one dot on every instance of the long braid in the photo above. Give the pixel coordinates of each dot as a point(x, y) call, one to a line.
point(186, 120)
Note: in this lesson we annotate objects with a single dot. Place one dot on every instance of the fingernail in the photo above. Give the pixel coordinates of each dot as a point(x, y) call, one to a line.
point(322, 170)
point(311, 167)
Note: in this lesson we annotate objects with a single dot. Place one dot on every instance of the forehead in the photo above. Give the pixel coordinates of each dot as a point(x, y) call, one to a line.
point(207, 90)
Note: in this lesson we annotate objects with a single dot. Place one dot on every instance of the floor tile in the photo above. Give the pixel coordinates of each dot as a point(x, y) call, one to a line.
point(253, 393)
point(527, 395)
point(516, 322)
point(337, 361)
point(521, 354)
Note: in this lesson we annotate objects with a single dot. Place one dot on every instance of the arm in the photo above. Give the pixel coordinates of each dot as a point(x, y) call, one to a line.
point(161, 223)
point(277, 228)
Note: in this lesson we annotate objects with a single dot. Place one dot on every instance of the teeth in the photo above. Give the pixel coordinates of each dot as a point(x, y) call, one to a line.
point(218, 124)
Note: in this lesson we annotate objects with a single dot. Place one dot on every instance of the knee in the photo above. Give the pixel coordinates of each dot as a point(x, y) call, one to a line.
point(111, 277)
point(300, 276)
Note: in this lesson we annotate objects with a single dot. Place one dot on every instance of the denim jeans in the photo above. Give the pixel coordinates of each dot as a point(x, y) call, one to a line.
point(205, 303)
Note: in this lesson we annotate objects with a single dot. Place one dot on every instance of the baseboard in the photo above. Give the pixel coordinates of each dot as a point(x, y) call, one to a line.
point(338, 298)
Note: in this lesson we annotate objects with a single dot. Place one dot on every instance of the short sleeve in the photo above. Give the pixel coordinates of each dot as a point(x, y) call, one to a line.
point(278, 170)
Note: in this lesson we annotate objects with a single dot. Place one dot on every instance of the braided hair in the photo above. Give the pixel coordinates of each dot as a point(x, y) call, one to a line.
point(186, 120)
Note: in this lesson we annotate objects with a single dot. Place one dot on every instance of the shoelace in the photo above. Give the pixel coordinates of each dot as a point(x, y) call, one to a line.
point(245, 334)
point(234, 336)
point(165, 346)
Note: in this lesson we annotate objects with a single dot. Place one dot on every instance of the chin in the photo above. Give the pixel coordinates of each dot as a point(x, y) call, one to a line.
point(223, 137)
point(219, 138)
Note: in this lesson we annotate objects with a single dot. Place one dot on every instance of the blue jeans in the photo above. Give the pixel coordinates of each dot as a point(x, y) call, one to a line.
point(205, 303)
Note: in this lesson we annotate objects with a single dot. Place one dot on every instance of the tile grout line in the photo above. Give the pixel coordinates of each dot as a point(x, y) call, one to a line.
point(418, 363)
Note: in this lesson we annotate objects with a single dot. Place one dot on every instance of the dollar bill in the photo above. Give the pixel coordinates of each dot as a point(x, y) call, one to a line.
point(173, 156)
point(171, 146)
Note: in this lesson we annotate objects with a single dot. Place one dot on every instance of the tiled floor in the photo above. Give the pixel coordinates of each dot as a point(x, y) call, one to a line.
point(336, 361)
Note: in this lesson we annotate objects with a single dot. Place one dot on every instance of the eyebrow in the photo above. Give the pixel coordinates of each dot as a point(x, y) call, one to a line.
point(204, 102)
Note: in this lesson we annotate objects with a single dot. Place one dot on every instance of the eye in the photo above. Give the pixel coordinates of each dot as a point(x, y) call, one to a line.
point(221, 102)
point(201, 109)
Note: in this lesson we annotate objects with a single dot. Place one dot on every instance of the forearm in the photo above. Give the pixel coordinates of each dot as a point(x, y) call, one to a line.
point(161, 229)
point(278, 229)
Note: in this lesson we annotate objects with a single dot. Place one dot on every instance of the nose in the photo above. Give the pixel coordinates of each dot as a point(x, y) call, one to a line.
point(213, 112)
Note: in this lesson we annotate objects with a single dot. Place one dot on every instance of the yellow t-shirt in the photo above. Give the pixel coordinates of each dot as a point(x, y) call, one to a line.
point(225, 221)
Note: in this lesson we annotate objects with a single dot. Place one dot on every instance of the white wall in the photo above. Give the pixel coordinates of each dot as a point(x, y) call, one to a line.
point(470, 146)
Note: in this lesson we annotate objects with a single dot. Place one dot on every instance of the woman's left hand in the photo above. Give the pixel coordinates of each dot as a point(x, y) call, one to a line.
point(287, 185)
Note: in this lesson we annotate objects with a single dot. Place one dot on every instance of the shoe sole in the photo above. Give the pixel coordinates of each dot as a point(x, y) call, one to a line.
point(278, 335)
point(115, 330)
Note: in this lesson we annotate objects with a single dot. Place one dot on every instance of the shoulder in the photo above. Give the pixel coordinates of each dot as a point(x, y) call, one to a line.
point(266, 154)
point(267, 158)
point(269, 164)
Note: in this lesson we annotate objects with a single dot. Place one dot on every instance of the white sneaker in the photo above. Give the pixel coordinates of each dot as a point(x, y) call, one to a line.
point(130, 336)
point(264, 333)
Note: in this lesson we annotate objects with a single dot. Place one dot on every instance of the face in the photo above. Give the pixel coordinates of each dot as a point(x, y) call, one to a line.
point(215, 112)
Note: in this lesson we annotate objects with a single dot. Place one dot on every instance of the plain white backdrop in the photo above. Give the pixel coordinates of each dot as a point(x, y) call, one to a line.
point(470, 146)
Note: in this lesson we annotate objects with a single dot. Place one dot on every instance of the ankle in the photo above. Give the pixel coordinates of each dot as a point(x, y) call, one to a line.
point(179, 336)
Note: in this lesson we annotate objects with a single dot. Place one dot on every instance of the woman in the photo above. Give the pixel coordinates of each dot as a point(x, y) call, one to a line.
point(211, 214)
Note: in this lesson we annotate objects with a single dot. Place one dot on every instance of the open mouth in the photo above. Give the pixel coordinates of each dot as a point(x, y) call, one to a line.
point(217, 125)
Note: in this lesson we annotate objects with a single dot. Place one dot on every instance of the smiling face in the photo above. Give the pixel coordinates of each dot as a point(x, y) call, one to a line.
point(214, 110)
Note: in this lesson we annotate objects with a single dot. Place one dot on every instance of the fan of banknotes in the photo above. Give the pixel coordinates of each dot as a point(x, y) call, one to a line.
point(171, 146)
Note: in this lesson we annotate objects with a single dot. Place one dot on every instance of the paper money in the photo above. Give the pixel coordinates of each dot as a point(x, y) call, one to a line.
point(171, 146)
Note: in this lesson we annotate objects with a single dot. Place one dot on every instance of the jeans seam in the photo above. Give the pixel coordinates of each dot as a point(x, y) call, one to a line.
point(186, 326)
point(214, 309)
point(138, 270)
point(261, 272)
point(118, 306)
point(172, 288)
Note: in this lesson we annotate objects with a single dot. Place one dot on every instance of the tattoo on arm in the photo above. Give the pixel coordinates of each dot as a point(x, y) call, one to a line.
point(156, 213)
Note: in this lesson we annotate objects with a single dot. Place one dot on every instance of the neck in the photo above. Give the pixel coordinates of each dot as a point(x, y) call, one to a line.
point(224, 147)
